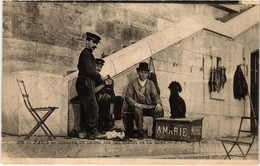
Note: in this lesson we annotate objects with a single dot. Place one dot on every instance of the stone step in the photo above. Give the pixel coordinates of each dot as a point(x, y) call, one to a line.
point(40, 147)
point(253, 155)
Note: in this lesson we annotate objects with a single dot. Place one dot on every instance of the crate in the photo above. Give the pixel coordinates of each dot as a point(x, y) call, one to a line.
point(183, 129)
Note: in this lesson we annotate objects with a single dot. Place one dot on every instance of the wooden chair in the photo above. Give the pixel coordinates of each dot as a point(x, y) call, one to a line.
point(34, 112)
point(238, 142)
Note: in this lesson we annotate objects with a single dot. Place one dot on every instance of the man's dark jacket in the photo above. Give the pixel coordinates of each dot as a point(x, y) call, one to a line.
point(240, 88)
point(87, 72)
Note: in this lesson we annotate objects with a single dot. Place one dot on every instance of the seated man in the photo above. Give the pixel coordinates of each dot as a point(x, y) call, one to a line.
point(143, 99)
point(107, 101)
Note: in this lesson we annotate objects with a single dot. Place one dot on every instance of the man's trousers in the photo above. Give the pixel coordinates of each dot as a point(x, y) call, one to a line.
point(138, 116)
point(88, 104)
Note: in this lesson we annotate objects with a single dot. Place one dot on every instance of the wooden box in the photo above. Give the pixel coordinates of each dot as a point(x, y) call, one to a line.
point(183, 129)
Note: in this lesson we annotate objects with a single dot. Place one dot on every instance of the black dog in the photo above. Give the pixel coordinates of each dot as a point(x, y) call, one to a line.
point(177, 104)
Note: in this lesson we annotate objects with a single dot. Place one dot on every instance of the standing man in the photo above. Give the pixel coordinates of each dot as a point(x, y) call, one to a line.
point(85, 87)
point(143, 99)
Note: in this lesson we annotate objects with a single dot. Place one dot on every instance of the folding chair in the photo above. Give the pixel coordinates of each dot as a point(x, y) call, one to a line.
point(33, 111)
point(237, 141)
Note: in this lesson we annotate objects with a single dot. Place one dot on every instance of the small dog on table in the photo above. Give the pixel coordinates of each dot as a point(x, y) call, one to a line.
point(177, 104)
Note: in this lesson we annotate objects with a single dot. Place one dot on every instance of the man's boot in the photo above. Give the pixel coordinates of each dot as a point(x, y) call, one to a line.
point(95, 134)
point(141, 134)
point(83, 134)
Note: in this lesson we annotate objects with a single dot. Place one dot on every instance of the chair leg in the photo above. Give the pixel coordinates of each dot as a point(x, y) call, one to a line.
point(248, 150)
point(49, 131)
point(231, 150)
point(241, 150)
point(38, 119)
point(46, 127)
point(226, 151)
point(39, 124)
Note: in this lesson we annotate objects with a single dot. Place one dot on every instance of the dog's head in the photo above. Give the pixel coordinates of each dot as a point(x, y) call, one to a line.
point(175, 87)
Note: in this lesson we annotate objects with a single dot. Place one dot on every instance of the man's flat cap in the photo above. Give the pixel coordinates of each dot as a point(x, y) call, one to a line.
point(100, 61)
point(93, 37)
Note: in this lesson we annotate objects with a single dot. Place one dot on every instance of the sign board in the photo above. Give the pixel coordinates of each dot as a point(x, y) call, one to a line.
point(183, 129)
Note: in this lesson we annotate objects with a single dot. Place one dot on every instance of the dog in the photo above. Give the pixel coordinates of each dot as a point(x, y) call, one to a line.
point(177, 104)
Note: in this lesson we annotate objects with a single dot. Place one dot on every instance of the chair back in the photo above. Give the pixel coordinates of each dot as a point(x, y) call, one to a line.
point(253, 132)
point(24, 94)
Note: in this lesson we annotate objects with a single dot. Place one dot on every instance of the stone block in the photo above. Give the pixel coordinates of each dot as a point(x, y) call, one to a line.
point(196, 89)
point(211, 146)
point(48, 90)
point(213, 126)
point(15, 49)
point(11, 66)
point(148, 125)
point(110, 45)
point(105, 29)
point(160, 65)
point(72, 88)
point(194, 106)
point(108, 12)
point(122, 81)
point(235, 122)
point(224, 126)
point(73, 117)
point(135, 18)
point(237, 110)
point(163, 24)
point(25, 55)
point(139, 52)
point(166, 106)
point(119, 32)
point(9, 115)
point(162, 79)
point(163, 55)
point(7, 26)
point(240, 26)
point(206, 131)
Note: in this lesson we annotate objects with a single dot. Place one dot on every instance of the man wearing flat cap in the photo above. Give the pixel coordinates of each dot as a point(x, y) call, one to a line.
point(143, 99)
point(108, 102)
point(85, 86)
point(99, 64)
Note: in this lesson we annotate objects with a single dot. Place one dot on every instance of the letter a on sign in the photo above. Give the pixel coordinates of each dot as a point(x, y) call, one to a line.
point(159, 130)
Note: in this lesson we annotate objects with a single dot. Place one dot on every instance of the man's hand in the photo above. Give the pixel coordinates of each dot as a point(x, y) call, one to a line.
point(158, 107)
point(108, 81)
point(139, 106)
point(99, 88)
point(99, 97)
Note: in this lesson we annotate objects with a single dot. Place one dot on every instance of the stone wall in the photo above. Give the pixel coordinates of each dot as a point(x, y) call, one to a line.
point(189, 62)
point(175, 12)
point(49, 36)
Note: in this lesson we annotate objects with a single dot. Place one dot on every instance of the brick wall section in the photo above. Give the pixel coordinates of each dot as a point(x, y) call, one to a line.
point(48, 36)
point(64, 24)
